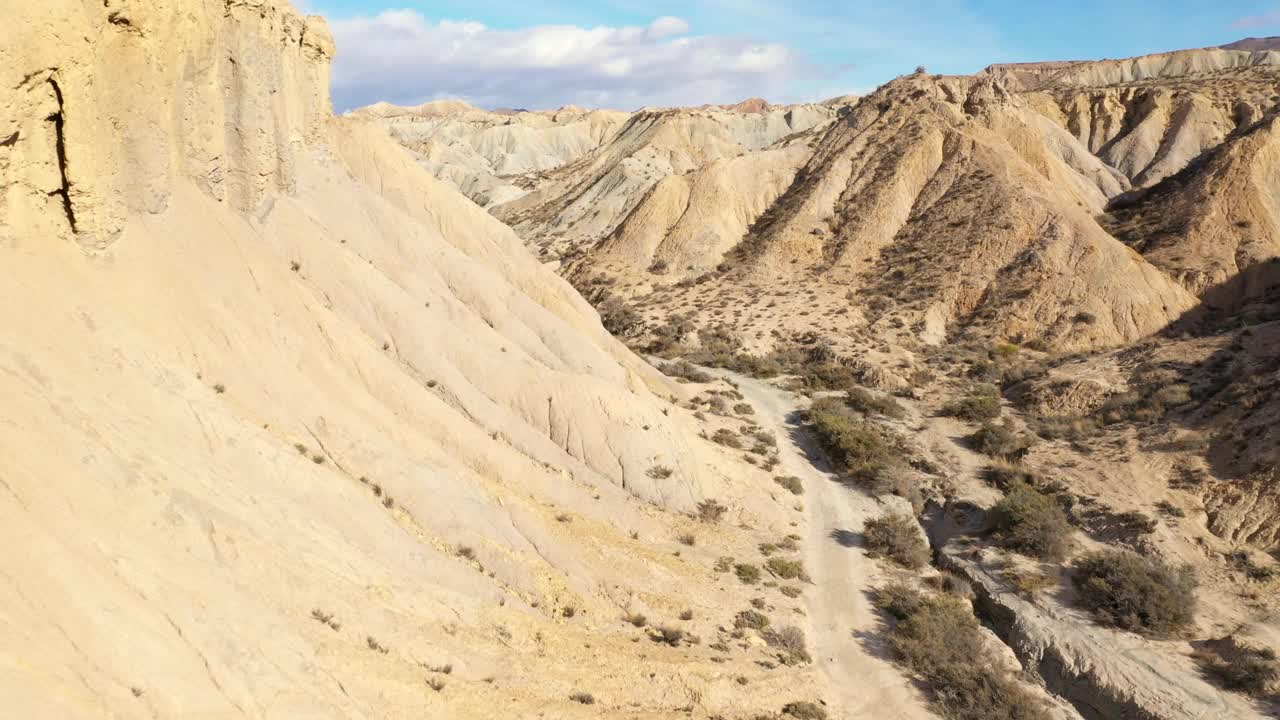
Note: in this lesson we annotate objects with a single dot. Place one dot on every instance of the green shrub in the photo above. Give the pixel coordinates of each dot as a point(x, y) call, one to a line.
point(1031, 522)
point(1136, 593)
point(854, 446)
point(896, 537)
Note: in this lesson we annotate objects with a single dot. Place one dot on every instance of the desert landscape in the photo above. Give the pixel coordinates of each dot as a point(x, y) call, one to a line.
point(956, 399)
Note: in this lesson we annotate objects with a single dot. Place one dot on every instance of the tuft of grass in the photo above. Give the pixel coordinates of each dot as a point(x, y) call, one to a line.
point(436, 683)
point(786, 569)
point(687, 539)
point(659, 472)
point(749, 574)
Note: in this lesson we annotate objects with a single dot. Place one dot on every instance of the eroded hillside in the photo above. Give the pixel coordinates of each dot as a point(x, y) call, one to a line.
point(1037, 305)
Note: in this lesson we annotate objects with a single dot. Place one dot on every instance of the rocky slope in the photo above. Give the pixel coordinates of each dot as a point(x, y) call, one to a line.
point(291, 428)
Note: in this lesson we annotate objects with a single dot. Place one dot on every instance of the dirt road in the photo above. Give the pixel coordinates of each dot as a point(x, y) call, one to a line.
point(846, 632)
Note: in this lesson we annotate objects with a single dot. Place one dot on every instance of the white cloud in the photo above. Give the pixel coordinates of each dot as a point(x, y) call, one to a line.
point(401, 57)
point(1256, 21)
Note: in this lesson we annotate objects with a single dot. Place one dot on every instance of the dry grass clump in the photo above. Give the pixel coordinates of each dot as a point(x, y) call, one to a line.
point(727, 438)
point(790, 483)
point(747, 573)
point(897, 537)
point(1031, 522)
point(786, 569)
point(1136, 593)
point(939, 639)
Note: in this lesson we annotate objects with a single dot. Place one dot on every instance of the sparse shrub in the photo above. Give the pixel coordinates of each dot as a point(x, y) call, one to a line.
point(687, 539)
point(978, 407)
point(940, 640)
point(219, 388)
point(790, 591)
point(744, 409)
point(751, 619)
point(790, 483)
point(686, 615)
point(895, 480)
point(804, 710)
point(670, 635)
point(635, 618)
point(727, 438)
point(998, 441)
point(1028, 582)
point(869, 403)
point(585, 698)
point(1136, 593)
point(373, 644)
point(710, 511)
point(687, 371)
point(747, 573)
point(1031, 522)
point(326, 619)
point(896, 537)
point(1250, 670)
point(786, 569)
point(569, 611)
point(436, 683)
point(659, 472)
point(724, 564)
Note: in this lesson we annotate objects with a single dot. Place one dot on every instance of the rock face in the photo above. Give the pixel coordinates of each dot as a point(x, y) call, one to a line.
point(91, 147)
point(292, 429)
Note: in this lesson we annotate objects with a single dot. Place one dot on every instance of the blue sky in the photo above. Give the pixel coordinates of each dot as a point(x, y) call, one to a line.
point(545, 53)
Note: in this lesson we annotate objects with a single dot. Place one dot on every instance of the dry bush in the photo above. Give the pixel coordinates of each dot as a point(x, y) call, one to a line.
point(685, 370)
point(897, 537)
point(751, 619)
point(727, 438)
point(1136, 593)
point(999, 441)
point(869, 403)
point(1252, 671)
point(980, 406)
point(790, 643)
point(939, 639)
point(710, 511)
point(1031, 522)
